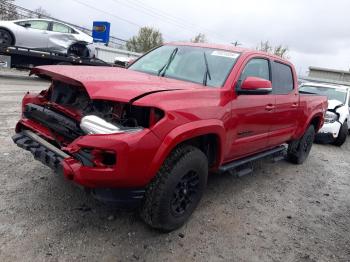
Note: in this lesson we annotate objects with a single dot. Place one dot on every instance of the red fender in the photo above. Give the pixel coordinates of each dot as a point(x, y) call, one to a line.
point(186, 132)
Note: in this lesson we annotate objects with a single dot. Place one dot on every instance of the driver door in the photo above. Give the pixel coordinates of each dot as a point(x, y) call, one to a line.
point(252, 114)
point(33, 34)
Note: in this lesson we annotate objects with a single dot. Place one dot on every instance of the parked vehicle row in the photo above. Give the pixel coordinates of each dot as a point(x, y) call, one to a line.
point(337, 119)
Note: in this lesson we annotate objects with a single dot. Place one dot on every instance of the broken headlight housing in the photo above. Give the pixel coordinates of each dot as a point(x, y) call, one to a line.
point(330, 117)
point(95, 125)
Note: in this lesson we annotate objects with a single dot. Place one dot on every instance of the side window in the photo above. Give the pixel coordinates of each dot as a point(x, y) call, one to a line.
point(282, 78)
point(257, 67)
point(35, 24)
point(60, 28)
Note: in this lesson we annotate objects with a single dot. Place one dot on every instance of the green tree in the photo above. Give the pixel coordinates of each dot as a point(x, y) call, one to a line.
point(7, 11)
point(200, 38)
point(146, 39)
point(279, 50)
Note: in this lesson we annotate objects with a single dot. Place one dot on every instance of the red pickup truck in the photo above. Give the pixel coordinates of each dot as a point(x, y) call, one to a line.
point(149, 134)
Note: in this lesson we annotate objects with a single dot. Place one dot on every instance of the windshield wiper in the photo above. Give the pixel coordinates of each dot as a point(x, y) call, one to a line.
point(166, 66)
point(207, 72)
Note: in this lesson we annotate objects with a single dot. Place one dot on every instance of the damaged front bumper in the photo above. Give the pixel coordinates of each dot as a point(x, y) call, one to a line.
point(122, 183)
point(42, 150)
point(328, 133)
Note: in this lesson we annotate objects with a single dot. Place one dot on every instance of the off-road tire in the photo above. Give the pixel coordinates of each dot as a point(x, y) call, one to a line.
point(298, 150)
point(158, 206)
point(343, 133)
point(6, 38)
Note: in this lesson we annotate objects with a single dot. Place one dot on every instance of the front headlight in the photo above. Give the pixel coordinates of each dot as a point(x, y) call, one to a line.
point(95, 125)
point(330, 117)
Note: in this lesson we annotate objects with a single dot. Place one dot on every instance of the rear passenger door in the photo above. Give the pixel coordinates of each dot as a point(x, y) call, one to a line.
point(287, 103)
point(33, 34)
point(60, 37)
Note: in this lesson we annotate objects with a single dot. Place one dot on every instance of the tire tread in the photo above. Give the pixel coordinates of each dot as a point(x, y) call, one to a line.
point(151, 205)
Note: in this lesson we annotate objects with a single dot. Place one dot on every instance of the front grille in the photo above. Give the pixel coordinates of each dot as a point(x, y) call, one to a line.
point(56, 122)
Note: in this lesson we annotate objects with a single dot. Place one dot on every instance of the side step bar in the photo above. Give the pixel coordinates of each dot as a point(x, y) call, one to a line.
point(246, 163)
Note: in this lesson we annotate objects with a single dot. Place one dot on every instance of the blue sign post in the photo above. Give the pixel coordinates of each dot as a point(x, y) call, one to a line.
point(100, 32)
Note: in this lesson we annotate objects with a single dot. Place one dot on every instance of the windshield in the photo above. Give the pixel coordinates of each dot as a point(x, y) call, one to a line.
point(332, 93)
point(195, 64)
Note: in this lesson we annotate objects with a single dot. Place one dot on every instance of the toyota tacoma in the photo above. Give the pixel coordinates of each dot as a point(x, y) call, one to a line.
point(149, 135)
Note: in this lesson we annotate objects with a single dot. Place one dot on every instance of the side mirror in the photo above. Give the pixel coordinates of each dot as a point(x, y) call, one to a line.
point(255, 85)
point(27, 25)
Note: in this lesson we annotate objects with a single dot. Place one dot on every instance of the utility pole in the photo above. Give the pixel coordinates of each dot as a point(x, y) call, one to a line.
point(236, 43)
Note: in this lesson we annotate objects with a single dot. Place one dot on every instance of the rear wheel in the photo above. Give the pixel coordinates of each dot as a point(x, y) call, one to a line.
point(298, 150)
point(176, 190)
point(79, 49)
point(343, 133)
point(6, 38)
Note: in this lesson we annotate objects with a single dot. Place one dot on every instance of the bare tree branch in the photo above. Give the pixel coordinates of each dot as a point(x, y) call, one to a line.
point(200, 38)
point(279, 50)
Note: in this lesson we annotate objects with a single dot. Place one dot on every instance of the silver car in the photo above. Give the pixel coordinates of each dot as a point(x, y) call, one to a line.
point(41, 34)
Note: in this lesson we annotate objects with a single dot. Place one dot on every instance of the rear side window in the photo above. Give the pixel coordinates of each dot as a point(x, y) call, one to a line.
point(60, 28)
point(282, 78)
point(35, 24)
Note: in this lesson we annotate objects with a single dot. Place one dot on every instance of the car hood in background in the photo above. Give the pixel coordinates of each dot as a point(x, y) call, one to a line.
point(334, 104)
point(113, 83)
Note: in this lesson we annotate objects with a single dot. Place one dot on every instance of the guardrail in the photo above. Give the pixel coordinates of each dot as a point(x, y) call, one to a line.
point(109, 54)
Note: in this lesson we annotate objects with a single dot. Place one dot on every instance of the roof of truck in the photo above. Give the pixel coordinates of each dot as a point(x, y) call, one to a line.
point(231, 48)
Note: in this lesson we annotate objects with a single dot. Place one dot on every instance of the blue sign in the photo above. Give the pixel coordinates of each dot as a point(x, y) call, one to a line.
point(100, 32)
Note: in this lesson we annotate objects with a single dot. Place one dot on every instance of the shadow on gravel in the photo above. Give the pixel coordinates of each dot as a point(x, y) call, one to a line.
point(69, 201)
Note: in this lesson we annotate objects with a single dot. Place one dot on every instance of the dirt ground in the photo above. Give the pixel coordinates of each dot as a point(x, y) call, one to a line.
point(282, 212)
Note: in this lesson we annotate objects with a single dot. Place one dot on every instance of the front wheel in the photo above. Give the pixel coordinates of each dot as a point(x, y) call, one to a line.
point(298, 150)
point(6, 38)
point(175, 192)
point(343, 133)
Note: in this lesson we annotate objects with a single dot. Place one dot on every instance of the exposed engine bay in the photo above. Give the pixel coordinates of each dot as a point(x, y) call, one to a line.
point(69, 112)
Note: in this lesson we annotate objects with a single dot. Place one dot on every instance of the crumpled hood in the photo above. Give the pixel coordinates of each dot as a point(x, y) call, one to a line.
point(112, 83)
point(333, 104)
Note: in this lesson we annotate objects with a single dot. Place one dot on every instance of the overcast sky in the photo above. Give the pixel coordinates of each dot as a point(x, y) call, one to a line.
point(317, 32)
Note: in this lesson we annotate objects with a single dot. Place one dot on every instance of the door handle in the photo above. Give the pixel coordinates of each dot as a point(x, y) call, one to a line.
point(295, 105)
point(269, 107)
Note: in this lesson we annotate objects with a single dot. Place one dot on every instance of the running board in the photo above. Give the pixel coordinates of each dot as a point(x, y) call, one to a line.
point(277, 153)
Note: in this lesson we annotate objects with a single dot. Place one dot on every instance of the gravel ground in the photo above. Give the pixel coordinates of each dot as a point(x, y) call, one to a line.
point(282, 212)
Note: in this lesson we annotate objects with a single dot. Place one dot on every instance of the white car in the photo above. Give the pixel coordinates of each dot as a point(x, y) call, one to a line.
point(41, 34)
point(337, 119)
point(122, 60)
